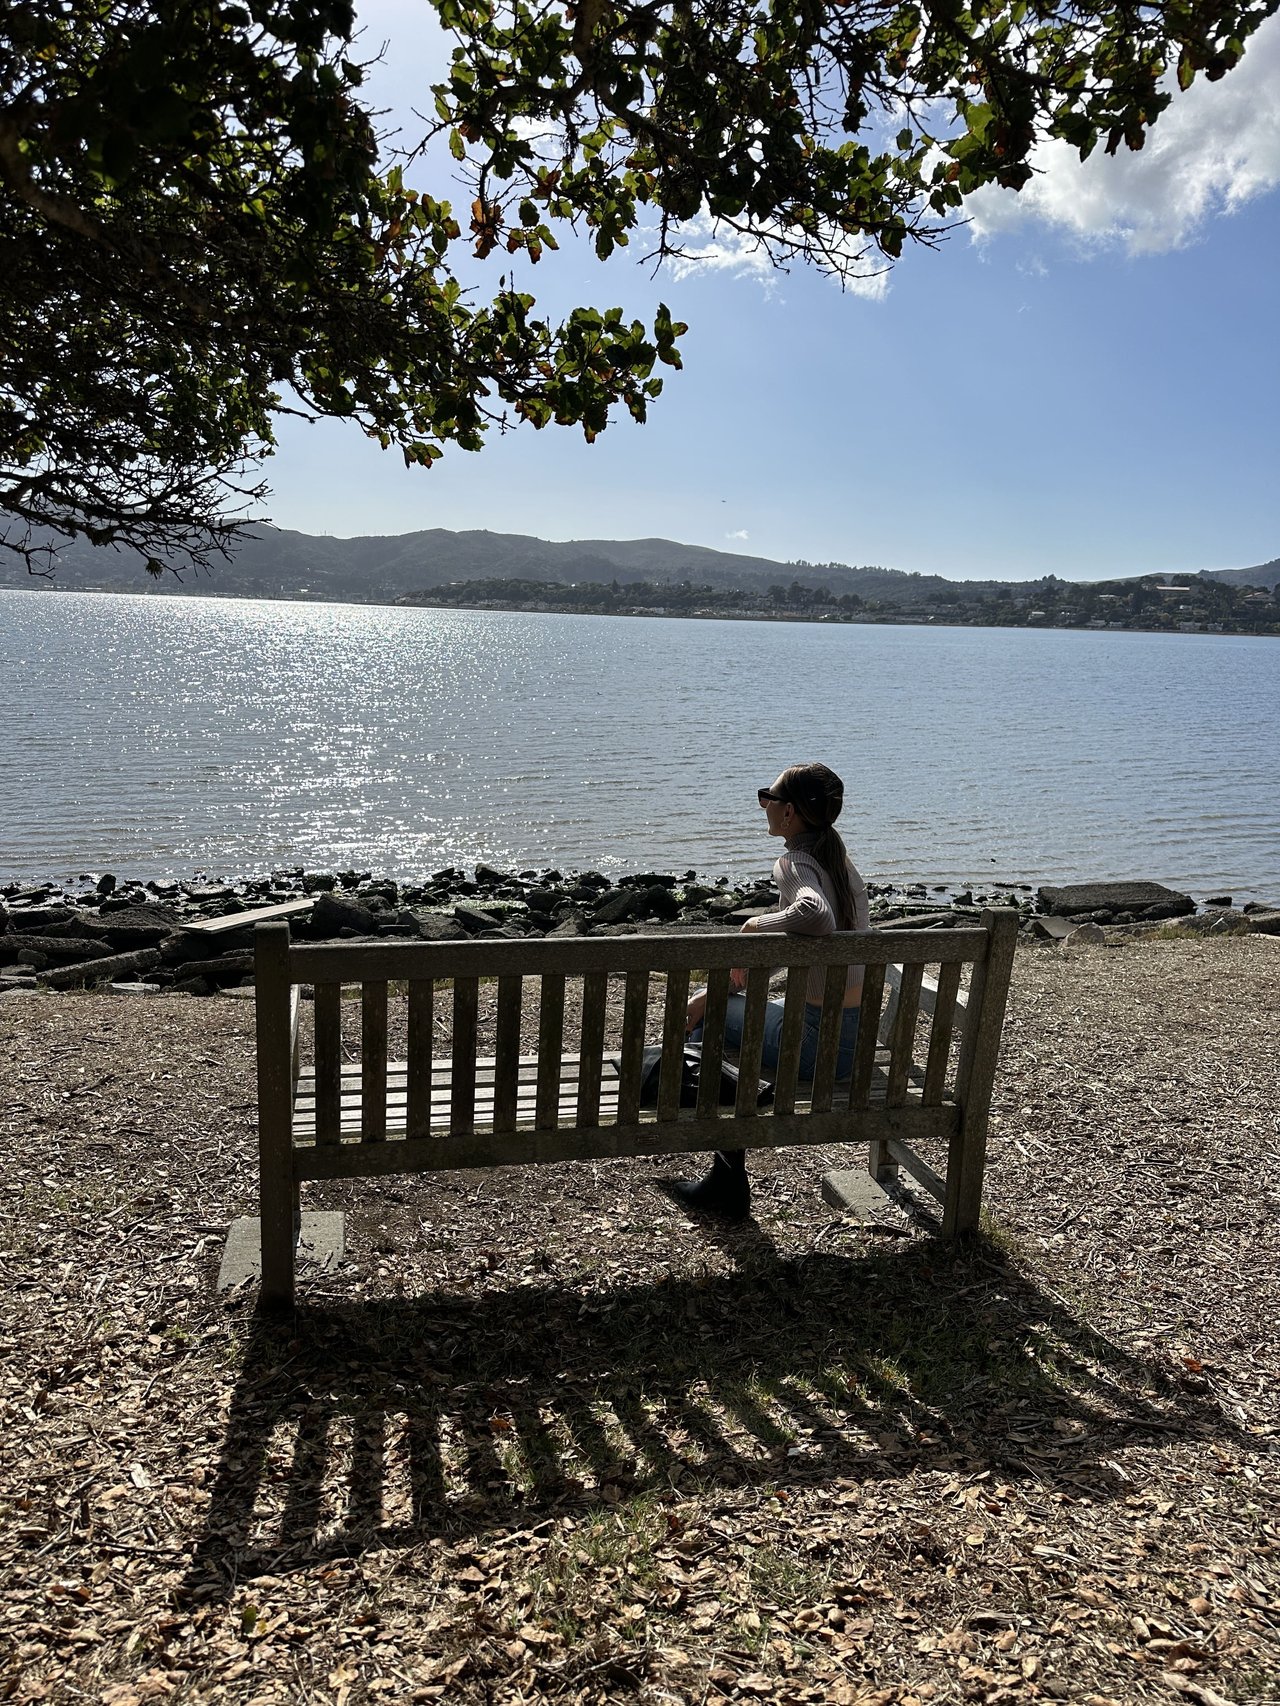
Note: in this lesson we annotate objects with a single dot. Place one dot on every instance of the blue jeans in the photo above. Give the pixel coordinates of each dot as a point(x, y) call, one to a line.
point(733, 1018)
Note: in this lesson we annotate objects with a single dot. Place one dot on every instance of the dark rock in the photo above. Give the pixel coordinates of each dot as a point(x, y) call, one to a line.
point(32, 958)
point(570, 927)
point(1052, 929)
point(106, 883)
point(964, 898)
point(93, 971)
point(652, 880)
point(547, 900)
point(208, 893)
point(439, 927)
point(318, 882)
point(335, 912)
point(1219, 900)
point(1151, 900)
point(1257, 906)
point(615, 905)
point(489, 877)
point(1266, 920)
point(192, 986)
point(474, 920)
point(501, 932)
point(37, 917)
point(63, 950)
point(659, 902)
point(593, 880)
point(224, 966)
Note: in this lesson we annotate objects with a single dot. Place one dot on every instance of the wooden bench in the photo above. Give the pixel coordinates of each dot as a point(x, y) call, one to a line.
point(923, 1069)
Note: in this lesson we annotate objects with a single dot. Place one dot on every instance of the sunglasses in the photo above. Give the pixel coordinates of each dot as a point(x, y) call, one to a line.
point(764, 795)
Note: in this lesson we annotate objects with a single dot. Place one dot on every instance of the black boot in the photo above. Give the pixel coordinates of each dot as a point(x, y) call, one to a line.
point(725, 1191)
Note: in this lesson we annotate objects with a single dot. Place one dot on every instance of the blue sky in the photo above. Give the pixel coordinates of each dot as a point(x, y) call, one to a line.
point(1084, 382)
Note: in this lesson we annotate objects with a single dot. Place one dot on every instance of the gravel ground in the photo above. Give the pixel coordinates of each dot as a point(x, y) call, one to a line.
point(543, 1438)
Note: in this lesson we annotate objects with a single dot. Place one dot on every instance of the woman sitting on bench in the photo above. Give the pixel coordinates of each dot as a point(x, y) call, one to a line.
point(819, 892)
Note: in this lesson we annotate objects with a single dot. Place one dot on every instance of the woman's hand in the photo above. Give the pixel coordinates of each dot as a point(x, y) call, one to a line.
point(737, 974)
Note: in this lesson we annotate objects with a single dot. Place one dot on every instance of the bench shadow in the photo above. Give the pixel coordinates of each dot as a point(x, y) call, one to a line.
point(386, 1423)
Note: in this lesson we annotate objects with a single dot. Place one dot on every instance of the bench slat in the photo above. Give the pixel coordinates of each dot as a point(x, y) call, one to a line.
point(942, 1003)
point(506, 1066)
point(784, 1089)
point(635, 1005)
point(713, 1043)
point(674, 1018)
point(328, 1044)
point(595, 999)
point(421, 1039)
point(746, 1106)
point(824, 1071)
point(466, 1004)
point(550, 1048)
point(354, 962)
point(911, 1123)
point(373, 1059)
point(864, 1055)
point(904, 1031)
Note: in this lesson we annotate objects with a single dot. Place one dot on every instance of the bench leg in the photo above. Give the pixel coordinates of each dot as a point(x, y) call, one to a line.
point(966, 1165)
point(881, 1166)
point(279, 1208)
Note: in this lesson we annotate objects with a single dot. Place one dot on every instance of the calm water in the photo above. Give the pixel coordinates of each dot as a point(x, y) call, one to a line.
point(157, 736)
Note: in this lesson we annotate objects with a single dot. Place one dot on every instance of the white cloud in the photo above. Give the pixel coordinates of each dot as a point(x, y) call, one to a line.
point(1215, 148)
point(740, 534)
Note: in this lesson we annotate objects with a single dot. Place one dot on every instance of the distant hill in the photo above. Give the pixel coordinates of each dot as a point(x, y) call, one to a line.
point(278, 563)
point(380, 568)
point(1266, 574)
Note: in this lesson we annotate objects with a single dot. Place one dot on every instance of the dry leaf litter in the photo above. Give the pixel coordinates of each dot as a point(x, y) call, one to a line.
point(543, 1438)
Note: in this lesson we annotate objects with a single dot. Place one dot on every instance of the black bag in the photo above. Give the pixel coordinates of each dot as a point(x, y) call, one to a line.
point(691, 1078)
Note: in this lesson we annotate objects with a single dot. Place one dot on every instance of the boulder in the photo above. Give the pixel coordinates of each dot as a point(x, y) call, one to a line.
point(474, 919)
point(615, 905)
point(1266, 920)
point(659, 902)
point(334, 912)
point(439, 927)
point(1085, 935)
point(1143, 899)
point(62, 950)
point(318, 882)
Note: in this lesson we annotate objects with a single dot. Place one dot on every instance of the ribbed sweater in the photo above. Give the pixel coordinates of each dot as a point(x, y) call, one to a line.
point(807, 907)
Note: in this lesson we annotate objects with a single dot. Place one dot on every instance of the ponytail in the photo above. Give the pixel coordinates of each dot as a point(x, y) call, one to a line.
point(817, 793)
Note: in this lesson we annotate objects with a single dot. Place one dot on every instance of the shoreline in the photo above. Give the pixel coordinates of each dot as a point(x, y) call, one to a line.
point(871, 619)
point(196, 937)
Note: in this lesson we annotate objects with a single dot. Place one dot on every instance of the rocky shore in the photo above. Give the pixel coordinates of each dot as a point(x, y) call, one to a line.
point(196, 937)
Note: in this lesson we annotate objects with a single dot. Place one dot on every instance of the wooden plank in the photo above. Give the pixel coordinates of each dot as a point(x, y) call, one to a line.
point(674, 1018)
point(253, 915)
point(824, 1070)
point(942, 1005)
point(356, 961)
point(902, 1047)
point(746, 1106)
point(328, 1023)
point(635, 1006)
point(788, 1068)
point(354, 1160)
point(595, 1000)
point(277, 1191)
point(506, 1065)
point(462, 1100)
point(295, 1021)
point(979, 1053)
point(864, 1056)
point(713, 1041)
point(373, 1060)
point(421, 1040)
point(906, 1158)
point(550, 1048)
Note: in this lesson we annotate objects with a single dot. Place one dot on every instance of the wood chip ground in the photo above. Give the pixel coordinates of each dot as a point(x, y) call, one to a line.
point(542, 1438)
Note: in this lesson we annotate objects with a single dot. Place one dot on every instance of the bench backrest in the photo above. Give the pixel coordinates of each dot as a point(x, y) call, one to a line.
point(940, 1043)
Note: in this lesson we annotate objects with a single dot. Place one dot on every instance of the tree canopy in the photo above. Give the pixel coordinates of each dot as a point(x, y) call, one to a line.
point(198, 229)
